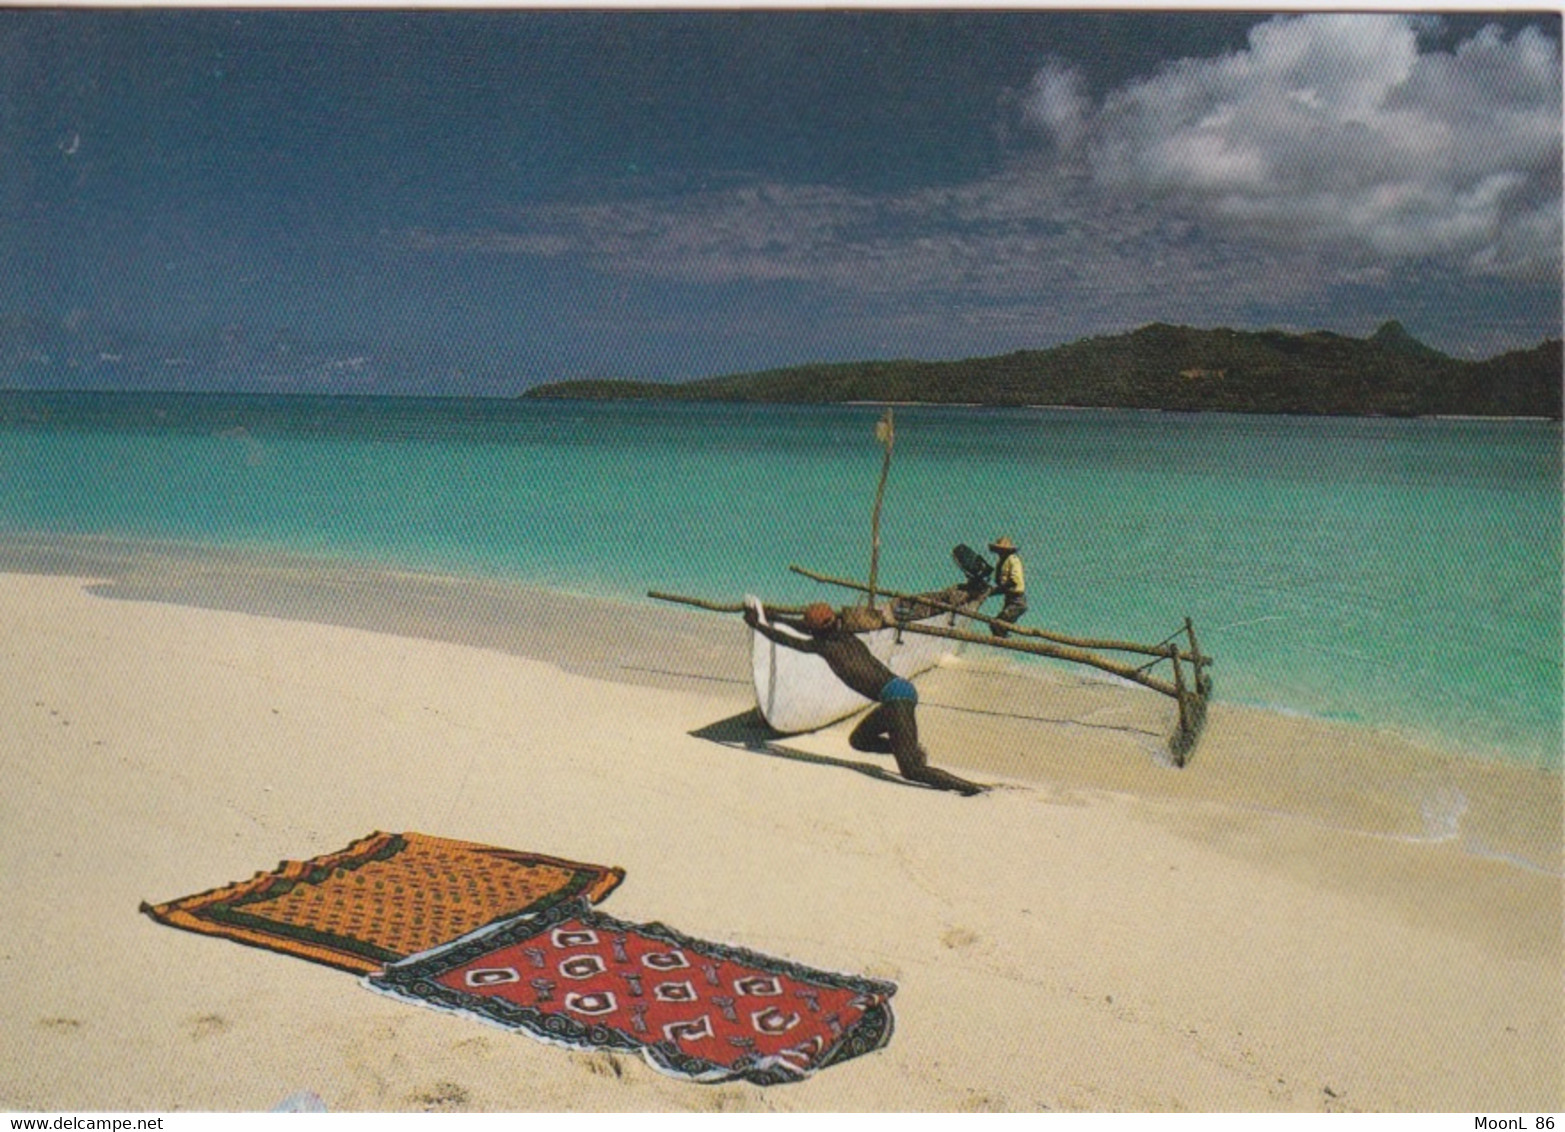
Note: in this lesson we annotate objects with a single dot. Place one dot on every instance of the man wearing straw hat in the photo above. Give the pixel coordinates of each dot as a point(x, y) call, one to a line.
point(1011, 581)
point(891, 727)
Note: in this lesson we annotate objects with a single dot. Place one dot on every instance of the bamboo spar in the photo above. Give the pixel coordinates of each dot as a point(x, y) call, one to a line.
point(1040, 648)
point(885, 432)
point(1203, 681)
point(1018, 630)
point(720, 606)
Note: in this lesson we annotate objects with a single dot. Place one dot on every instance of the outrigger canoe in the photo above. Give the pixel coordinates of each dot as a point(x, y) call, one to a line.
point(796, 691)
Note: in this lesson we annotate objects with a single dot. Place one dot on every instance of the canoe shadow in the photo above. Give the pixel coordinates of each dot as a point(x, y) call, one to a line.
point(747, 731)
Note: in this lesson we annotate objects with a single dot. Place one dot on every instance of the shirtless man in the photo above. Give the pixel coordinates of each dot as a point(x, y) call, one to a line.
point(892, 726)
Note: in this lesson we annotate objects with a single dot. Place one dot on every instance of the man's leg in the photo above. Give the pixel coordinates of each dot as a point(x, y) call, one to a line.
point(901, 725)
point(872, 733)
point(1011, 613)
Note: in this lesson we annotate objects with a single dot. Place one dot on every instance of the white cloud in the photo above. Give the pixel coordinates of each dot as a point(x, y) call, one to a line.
point(1334, 128)
point(1056, 103)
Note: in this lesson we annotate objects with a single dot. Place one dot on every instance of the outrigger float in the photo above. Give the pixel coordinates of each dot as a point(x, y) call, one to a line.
point(797, 692)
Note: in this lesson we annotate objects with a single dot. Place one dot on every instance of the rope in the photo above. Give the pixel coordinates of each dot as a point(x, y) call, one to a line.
point(1168, 640)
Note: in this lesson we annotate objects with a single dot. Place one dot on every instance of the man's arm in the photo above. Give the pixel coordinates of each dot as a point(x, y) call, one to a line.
point(802, 644)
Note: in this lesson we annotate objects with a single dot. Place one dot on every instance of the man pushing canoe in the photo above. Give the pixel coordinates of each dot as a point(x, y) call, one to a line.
point(892, 726)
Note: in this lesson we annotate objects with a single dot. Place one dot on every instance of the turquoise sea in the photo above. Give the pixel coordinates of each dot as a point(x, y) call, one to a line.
point(1401, 574)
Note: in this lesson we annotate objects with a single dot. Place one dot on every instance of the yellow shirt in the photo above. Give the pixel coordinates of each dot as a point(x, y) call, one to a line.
point(1010, 577)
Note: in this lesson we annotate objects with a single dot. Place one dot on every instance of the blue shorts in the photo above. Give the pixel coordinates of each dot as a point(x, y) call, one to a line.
point(898, 689)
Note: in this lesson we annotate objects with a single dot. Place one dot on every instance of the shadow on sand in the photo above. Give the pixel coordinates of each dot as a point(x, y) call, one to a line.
point(748, 732)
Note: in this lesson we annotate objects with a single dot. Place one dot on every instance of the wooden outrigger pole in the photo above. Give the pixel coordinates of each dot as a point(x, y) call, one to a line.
point(1191, 698)
point(886, 434)
point(721, 606)
point(1020, 630)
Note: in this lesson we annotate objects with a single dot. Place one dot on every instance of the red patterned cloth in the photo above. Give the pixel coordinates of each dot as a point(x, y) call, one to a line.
point(704, 1011)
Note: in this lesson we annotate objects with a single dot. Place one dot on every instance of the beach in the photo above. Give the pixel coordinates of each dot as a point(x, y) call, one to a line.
point(1309, 917)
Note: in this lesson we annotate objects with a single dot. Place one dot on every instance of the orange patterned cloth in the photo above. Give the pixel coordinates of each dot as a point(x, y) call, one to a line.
point(383, 898)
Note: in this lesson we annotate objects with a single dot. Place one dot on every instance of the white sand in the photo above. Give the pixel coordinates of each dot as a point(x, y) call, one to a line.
point(1140, 941)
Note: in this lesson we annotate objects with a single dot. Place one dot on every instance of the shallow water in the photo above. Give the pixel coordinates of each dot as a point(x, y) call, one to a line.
point(1399, 574)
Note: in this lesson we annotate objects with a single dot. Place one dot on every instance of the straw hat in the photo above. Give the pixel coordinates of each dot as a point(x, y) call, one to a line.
point(1002, 545)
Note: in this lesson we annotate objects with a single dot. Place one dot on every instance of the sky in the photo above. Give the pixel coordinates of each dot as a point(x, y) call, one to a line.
point(477, 201)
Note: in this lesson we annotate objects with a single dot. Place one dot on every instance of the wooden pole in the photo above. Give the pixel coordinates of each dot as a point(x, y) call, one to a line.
point(1040, 648)
point(720, 606)
point(1020, 630)
point(1192, 707)
point(1179, 691)
point(1203, 681)
point(885, 432)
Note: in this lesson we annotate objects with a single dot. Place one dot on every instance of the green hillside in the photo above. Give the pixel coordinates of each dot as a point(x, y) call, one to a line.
point(1163, 367)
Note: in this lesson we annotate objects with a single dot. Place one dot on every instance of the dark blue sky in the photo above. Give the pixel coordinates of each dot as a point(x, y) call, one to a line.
point(477, 201)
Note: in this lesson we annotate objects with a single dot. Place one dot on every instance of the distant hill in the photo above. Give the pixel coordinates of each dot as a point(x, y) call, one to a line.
point(1174, 368)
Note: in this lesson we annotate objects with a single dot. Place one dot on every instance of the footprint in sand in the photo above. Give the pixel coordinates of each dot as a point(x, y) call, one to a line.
point(729, 1100)
point(1333, 1100)
point(208, 1025)
point(600, 1064)
point(976, 1101)
point(956, 938)
point(443, 1096)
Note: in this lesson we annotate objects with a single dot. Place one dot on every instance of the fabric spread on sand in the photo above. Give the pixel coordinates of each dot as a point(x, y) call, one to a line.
point(707, 1012)
point(385, 897)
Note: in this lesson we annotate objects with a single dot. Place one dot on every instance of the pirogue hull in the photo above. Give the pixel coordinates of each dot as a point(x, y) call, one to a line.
point(797, 691)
